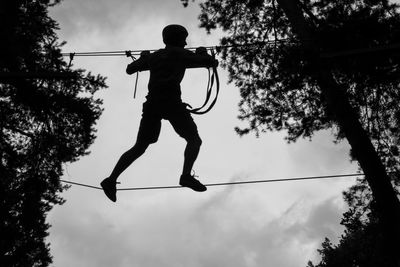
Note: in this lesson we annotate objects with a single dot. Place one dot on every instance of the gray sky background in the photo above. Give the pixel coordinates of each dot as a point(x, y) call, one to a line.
point(268, 225)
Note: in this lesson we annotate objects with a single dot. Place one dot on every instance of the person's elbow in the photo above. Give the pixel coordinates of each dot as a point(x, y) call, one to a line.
point(130, 70)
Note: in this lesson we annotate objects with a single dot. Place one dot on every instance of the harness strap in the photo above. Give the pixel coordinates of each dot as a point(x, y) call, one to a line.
point(128, 53)
point(137, 78)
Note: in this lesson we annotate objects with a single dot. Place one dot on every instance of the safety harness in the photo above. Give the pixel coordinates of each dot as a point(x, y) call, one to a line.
point(213, 79)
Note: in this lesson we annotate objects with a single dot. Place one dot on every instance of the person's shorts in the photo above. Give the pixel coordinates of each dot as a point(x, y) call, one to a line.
point(175, 113)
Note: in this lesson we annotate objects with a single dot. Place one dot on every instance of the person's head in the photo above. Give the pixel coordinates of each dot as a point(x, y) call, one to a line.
point(175, 35)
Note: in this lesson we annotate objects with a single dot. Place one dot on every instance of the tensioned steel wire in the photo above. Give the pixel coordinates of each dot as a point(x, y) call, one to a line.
point(225, 183)
point(137, 52)
point(327, 55)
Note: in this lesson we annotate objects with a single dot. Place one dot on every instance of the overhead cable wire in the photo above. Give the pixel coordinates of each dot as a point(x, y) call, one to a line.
point(327, 55)
point(137, 52)
point(225, 183)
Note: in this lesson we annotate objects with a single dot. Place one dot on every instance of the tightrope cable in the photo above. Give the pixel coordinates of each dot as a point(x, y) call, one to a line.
point(79, 184)
point(225, 183)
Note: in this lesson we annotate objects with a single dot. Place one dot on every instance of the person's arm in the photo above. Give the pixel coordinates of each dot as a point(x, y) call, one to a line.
point(200, 59)
point(140, 64)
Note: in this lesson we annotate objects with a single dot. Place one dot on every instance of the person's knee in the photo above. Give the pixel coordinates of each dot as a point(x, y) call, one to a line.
point(195, 141)
point(140, 147)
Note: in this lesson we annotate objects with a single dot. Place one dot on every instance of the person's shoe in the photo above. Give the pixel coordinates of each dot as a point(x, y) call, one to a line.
point(188, 180)
point(110, 188)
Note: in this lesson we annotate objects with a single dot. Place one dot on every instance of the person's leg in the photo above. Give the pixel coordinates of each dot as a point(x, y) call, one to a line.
point(128, 158)
point(109, 184)
point(149, 131)
point(184, 125)
point(190, 156)
point(191, 152)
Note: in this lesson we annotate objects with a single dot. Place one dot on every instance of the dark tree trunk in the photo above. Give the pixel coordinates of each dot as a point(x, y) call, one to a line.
point(363, 150)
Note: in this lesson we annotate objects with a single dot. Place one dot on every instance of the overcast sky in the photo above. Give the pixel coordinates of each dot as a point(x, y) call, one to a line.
point(260, 225)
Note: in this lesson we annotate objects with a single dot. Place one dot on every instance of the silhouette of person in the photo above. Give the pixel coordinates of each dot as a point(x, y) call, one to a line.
point(163, 101)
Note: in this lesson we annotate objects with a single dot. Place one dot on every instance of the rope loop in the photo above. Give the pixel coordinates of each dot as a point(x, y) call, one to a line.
point(212, 79)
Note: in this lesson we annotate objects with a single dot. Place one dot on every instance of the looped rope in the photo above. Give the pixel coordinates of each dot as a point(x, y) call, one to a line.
point(210, 84)
point(212, 78)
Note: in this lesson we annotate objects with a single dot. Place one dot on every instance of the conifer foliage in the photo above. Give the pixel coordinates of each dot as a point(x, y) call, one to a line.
point(47, 117)
point(359, 45)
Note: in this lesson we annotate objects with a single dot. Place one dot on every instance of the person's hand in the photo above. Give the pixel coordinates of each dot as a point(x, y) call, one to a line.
point(215, 63)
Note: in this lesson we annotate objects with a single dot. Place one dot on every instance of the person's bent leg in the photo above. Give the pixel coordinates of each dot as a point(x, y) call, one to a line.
point(109, 184)
point(149, 130)
point(184, 125)
point(191, 152)
point(127, 159)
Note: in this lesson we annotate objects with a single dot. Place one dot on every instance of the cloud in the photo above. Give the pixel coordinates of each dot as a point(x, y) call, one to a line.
point(229, 227)
point(108, 17)
point(323, 155)
point(274, 225)
point(321, 220)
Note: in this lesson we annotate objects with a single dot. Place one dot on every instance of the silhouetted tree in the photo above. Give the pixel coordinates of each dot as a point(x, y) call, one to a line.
point(47, 117)
point(350, 46)
point(362, 243)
